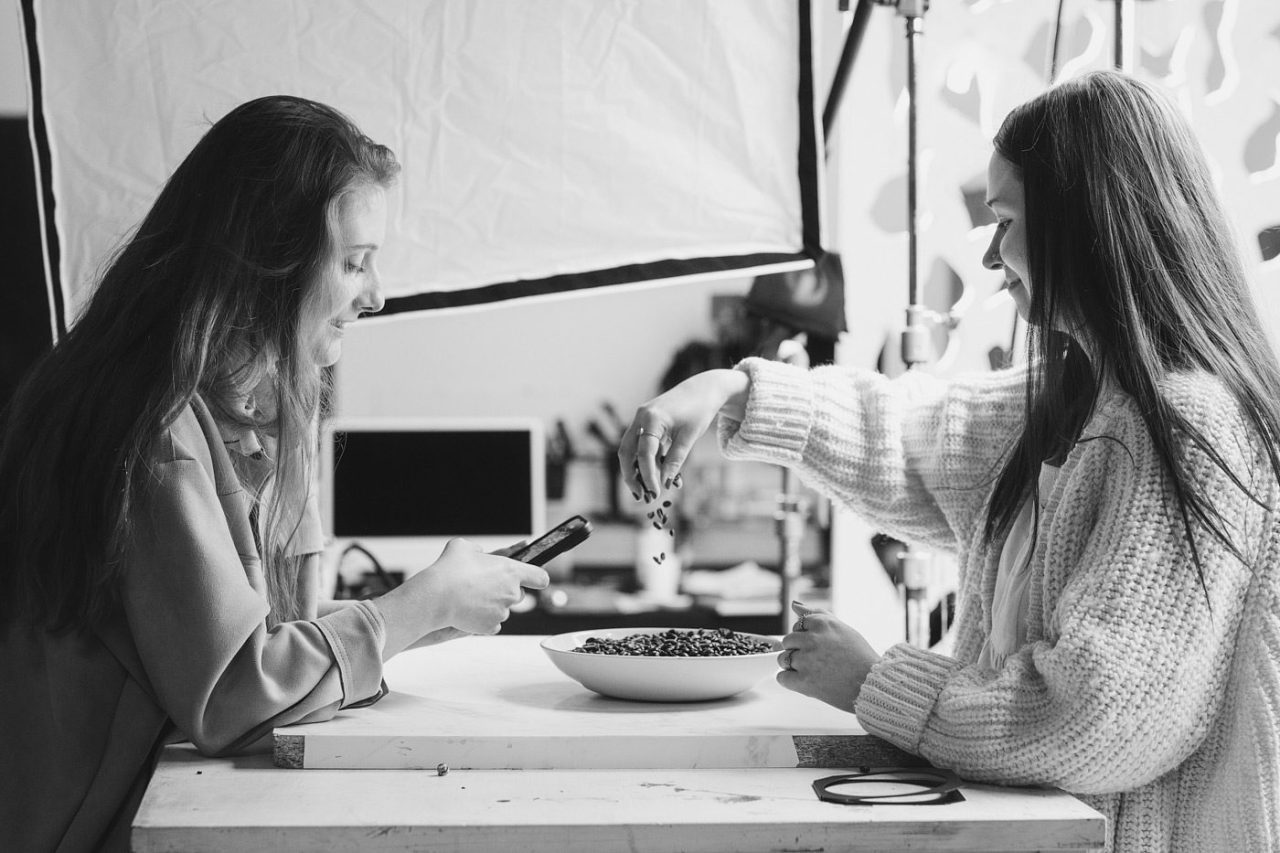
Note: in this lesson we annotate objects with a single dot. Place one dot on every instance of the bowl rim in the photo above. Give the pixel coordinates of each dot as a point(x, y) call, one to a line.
point(571, 636)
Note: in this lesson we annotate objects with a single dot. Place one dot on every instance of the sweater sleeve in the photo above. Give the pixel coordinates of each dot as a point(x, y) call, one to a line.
point(916, 456)
point(200, 626)
point(1129, 674)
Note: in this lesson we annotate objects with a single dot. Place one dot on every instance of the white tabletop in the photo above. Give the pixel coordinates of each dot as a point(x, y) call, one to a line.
point(499, 703)
point(726, 775)
point(197, 804)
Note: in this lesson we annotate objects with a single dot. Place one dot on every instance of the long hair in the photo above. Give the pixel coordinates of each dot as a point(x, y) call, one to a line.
point(1129, 248)
point(203, 298)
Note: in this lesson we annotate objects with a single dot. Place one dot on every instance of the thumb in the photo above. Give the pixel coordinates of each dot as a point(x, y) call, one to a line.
point(460, 544)
point(532, 577)
point(802, 609)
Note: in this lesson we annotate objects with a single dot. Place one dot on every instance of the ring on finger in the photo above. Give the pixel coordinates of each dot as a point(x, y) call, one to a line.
point(656, 434)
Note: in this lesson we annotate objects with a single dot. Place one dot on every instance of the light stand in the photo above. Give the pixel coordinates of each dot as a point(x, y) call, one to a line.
point(1124, 40)
point(916, 339)
point(791, 515)
point(917, 347)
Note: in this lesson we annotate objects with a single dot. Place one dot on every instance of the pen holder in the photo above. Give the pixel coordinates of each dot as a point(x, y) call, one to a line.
point(613, 478)
point(557, 472)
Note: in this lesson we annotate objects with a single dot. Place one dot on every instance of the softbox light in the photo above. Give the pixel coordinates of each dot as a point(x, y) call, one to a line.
point(548, 146)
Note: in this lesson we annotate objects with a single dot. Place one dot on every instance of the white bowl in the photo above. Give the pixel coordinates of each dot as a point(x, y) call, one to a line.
point(650, 678)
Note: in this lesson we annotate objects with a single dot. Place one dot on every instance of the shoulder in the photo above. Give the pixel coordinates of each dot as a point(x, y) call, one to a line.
point(1203, 400)
point(192, 436)
point(1213, 422)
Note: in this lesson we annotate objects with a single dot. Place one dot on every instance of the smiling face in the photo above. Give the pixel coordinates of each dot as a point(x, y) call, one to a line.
point(1008, 249)
point(350, 284)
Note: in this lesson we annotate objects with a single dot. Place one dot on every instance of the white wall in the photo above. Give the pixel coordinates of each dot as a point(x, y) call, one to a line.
point(550, 359)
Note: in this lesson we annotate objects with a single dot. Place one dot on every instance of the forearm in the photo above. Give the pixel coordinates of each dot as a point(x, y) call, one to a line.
point(277, 678)
point(1122, 684)
point(736, 387)
point(408, 620)
point(225, 694)
point(865, 442)
point(913, 455)
point(333, 605)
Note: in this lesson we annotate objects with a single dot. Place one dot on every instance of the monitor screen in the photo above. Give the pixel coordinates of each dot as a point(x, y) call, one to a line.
point(402, 489)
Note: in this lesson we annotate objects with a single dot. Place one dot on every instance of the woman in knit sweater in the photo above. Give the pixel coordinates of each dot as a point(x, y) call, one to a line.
point(1113, 505)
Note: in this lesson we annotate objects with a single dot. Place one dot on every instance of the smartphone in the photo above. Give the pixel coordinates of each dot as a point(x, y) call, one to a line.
point(554, 542)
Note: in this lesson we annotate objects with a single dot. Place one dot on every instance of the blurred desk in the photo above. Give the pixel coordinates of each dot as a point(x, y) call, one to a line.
point(541, 621)
point(594, 586)
point(716, 545)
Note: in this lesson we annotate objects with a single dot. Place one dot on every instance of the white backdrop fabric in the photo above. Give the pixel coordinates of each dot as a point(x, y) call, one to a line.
point(547, 145)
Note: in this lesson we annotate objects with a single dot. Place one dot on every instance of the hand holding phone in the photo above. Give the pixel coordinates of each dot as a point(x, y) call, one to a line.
point(554, 542)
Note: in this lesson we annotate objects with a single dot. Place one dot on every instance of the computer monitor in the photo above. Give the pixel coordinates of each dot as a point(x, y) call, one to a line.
point(402, 488)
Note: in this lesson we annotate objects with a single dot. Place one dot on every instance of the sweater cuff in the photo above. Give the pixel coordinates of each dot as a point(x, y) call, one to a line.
point(778, 416)
point(356, 636)
point(899, 694)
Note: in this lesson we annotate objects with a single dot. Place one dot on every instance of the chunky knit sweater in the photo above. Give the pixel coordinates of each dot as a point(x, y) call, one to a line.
point(1157, 706)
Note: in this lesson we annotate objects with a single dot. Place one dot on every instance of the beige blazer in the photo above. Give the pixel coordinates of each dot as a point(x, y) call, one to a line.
point(188, 656)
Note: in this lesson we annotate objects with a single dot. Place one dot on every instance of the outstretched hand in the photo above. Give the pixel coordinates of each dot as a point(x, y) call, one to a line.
point(465, 591)
point(475, 591)
point(824, 658)
point(662, 433)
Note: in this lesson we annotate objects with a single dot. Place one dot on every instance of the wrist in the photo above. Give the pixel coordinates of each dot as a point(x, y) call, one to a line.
point(407, 617)
point(736, 387)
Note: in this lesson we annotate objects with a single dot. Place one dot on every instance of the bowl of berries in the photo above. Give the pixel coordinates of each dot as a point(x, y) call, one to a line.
point(665, 664)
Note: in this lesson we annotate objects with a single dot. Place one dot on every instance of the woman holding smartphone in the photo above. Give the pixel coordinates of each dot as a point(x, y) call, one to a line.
point(158, 541)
